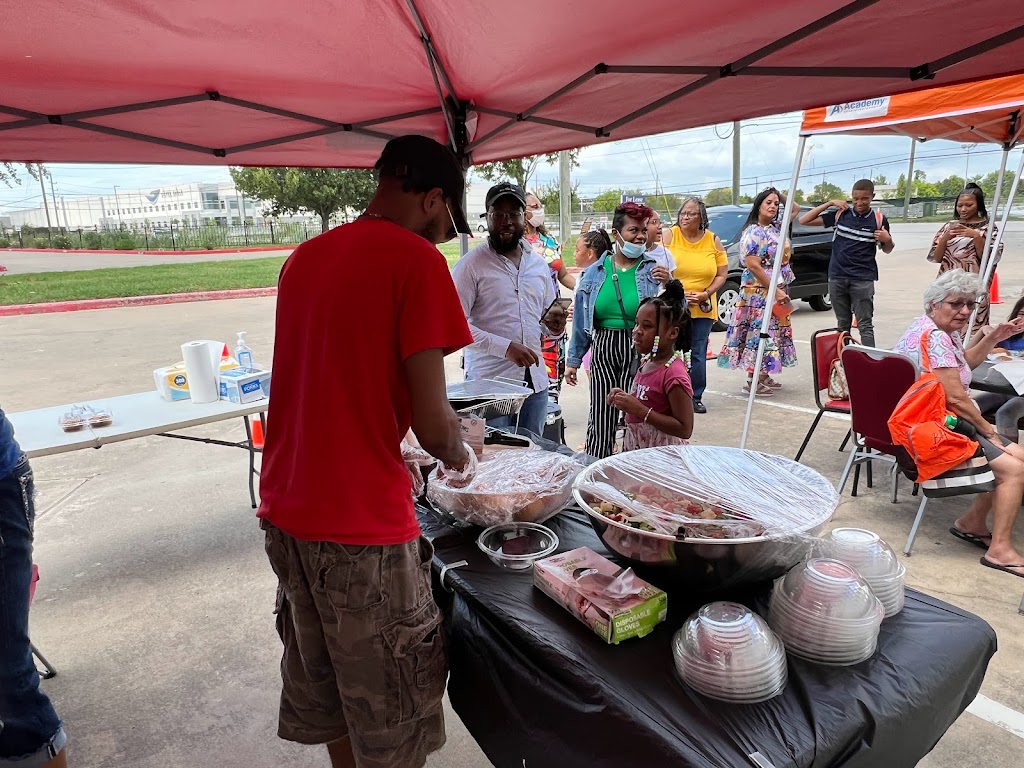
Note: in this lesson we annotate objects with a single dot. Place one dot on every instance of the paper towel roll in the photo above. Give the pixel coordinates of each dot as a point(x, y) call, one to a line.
point(203, 379)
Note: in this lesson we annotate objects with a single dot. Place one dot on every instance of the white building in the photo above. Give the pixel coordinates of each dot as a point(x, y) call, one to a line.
point(186, 204)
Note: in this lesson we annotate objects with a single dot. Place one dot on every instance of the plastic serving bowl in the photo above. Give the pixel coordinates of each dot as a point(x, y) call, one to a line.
point(517, 546)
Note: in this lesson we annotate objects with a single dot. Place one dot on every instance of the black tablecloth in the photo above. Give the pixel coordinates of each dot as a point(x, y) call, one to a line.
point(986, 378)
point(531, 682)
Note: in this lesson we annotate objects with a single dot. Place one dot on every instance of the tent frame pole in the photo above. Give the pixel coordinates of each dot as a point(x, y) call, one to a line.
point(986, 262)
point(780, 250)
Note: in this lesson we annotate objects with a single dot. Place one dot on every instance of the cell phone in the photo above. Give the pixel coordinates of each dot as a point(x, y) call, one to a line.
point(564, 303)
point(585, 227)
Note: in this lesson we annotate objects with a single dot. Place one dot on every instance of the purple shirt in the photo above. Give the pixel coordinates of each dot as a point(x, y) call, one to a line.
point(652, 389)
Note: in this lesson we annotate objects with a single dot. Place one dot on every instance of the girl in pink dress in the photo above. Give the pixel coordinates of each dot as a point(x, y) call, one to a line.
point(659, 406)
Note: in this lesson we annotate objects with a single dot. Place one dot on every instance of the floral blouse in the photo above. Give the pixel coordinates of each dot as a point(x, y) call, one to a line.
point(944, 350)
point(760, 241)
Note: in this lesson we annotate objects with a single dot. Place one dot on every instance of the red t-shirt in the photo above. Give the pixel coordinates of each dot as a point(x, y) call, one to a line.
point(652, 389)
point(353, 304)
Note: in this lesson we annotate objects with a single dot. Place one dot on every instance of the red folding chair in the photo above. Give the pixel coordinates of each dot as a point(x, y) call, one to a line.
point(50, 671)
point(877, 379)
point(824, 351)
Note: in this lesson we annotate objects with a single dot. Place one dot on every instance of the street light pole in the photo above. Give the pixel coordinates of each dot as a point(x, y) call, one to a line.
point(117, 202)
point(967, 165)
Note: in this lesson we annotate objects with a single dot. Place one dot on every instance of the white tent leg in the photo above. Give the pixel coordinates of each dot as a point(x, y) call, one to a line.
point(989, 266)
point(983, 265)
point(787, 217)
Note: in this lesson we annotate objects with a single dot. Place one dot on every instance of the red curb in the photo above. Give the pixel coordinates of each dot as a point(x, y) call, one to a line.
point(132, 301)
point(133, 252)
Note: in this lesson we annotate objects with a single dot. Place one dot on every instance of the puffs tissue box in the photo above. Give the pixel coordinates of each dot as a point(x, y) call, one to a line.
point(244, 385)
point(612, 601)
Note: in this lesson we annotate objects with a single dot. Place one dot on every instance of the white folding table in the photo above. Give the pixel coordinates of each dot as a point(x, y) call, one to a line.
point(140, 415)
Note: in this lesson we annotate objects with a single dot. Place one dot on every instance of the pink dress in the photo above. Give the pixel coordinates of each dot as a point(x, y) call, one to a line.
point(652, 389)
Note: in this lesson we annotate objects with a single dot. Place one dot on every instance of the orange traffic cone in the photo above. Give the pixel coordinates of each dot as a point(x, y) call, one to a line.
point(711, 352)
point(257, 433)
point(993, 290)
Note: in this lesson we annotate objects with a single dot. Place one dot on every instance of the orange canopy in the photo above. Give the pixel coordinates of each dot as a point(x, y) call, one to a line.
point(986, 111)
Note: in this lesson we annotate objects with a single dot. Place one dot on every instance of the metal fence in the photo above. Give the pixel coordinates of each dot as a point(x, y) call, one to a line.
point(176, 237)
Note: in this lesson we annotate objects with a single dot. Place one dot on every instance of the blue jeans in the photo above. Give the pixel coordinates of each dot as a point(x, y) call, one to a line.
point(532, 416)
point(701, 328)
point(30, 731)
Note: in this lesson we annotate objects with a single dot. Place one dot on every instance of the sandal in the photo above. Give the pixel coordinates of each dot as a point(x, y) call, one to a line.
point(762, 390)
point(972, 538)
point(1008, 568)
point(771, 383)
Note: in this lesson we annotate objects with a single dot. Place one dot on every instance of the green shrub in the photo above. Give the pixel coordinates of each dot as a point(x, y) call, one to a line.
point(5, 242)
point(38, 242)
point(93, 240)
point(62, 241)
point(125, 241)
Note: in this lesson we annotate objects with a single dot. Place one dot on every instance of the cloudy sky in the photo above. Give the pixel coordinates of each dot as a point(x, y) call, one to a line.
point(684, 161)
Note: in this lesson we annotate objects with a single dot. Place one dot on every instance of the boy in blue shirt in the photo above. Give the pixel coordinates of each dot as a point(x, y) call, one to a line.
point(858, 233)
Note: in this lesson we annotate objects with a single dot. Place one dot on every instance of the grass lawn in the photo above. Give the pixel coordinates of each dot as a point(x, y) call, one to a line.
point(41, 287)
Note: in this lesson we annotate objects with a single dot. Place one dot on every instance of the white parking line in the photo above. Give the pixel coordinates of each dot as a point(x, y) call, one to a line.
point(1000, 715)
point(783, 406)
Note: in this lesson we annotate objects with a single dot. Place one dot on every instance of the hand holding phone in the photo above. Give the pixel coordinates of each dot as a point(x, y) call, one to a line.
point(555, 316)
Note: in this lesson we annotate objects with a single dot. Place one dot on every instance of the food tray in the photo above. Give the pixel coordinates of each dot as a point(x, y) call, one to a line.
point(487, 398)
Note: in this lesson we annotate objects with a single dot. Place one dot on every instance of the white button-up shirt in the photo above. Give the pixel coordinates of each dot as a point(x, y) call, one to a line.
point(504, 304)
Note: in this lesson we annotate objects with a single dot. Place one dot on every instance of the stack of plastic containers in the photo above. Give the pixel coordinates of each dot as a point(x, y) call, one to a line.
point(874, 560)
point(729, 653)
point(825, 612)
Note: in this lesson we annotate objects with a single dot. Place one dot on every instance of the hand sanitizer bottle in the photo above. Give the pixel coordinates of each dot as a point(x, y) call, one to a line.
point(242, 353)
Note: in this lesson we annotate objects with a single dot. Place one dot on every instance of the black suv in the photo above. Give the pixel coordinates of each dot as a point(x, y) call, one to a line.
point(812, 250)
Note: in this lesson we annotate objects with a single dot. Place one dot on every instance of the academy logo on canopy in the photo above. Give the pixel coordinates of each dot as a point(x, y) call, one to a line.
point(857, 110)
point(153, 196)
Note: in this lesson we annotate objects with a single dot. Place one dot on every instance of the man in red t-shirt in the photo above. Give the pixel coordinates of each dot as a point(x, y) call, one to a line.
point(365, 315)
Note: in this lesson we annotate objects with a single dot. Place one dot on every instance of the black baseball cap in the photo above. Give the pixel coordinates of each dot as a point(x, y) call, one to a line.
point(427, 164)
point(506, 188)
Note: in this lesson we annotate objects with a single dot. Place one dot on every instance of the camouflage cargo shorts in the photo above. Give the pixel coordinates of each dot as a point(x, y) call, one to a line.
point(364, 652)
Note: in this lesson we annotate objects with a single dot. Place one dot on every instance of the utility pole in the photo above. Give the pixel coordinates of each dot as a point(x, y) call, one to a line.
point(910, 179)
point(564, 197)
point(42, 186)
point(736, 162)
point(53, 196)
point(117, 202)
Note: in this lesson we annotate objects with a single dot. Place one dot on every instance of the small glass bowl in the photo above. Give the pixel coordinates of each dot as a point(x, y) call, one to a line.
point(517, 546)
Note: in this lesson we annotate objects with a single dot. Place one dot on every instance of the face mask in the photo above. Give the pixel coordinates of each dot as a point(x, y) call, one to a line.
point(536, 217)
point(632, 250)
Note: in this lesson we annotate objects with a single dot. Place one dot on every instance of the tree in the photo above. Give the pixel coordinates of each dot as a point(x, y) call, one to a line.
point(826, 190)
point(549, 198)
point(881, 180)
point(323, 191)
point(666, 203)
point(988, 186)
point(9, 172)
point(609, 199)
point(521, 169)
point(719, 196)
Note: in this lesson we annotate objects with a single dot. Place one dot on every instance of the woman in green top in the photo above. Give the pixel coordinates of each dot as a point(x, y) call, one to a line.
point(604, 317)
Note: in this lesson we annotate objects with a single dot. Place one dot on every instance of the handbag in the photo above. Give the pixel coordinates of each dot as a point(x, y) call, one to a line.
point(634, 358)
point(918, 423)
point(838, 389)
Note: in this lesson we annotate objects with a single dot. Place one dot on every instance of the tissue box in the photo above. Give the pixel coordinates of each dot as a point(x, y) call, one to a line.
point(244, 385)
point(613, 618)
point(172, 381)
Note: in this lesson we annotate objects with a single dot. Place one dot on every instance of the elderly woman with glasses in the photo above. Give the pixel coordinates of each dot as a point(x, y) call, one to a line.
point(948, 304)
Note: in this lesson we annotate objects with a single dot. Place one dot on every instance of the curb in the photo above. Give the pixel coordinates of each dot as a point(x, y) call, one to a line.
point(48, 308)
point(135, 252)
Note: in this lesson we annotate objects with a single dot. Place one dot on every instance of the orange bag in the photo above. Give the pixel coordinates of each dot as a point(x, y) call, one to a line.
point(918, 424)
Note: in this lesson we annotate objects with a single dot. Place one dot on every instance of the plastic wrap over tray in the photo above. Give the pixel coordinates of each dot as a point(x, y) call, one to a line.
point(703, 493)
point(523, 485)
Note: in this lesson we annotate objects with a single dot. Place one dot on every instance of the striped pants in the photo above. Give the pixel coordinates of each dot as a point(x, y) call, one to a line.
point(613, 351)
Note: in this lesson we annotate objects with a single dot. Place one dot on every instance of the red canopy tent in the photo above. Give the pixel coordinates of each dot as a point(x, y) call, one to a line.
point(326, 82)
point(987, 111)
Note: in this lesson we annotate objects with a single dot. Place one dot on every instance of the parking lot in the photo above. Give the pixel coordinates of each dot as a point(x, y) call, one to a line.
point(156, 599)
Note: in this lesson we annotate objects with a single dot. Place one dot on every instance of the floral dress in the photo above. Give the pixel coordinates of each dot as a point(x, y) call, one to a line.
point(962, 253)
point(552, 348)
point(740, 348)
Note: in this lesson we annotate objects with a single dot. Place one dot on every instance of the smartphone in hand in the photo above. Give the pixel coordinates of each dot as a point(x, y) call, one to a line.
point(563, 303)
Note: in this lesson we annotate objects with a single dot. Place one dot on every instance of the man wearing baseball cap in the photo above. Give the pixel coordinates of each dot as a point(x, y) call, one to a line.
point(506, 291)
point(358, 360)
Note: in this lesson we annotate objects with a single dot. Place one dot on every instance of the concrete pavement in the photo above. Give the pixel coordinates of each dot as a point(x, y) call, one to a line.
point(155, 600)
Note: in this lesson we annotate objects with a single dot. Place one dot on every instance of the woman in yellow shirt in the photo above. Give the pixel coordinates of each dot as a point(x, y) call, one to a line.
point(702, 267)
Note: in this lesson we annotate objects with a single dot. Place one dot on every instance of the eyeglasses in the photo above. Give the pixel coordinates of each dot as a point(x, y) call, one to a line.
point(959, 305)
point(686, 215)
point(500, 216)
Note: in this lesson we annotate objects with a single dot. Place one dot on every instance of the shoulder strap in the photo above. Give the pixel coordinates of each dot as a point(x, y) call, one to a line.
point(926, 364)
point(622, 304)
point(878, 218)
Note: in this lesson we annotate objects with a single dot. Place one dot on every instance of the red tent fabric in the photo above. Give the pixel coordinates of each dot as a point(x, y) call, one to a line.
point(325, 82)
point(989, 111)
